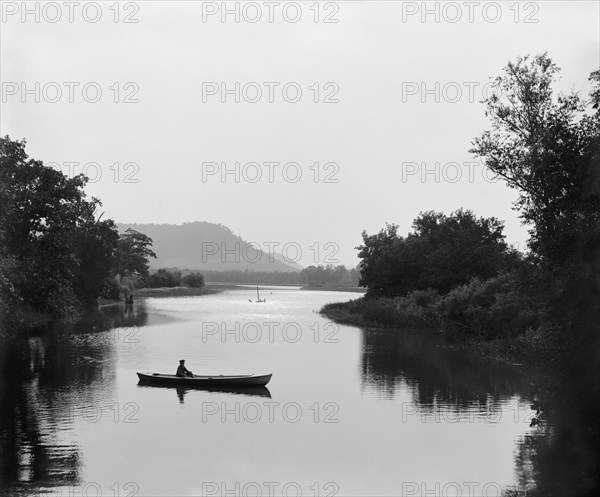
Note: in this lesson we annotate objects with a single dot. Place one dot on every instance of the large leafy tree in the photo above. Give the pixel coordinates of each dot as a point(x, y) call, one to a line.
point(95, 249)
point(387, 267)
point(55, 252)
point(547, 147)
point(442, 252)
point(133, 253)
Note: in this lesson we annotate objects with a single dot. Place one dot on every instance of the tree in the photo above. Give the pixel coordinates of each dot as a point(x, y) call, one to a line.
point(55, 252)
point(385, 266)
point(547, 147)
point(164, 278)
point(456, 248)
point(442, 252)
point(132, 254)
point(193, 280)
point(328, 275)
point(95, 247)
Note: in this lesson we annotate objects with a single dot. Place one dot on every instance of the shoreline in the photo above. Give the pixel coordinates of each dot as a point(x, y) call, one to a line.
point(334, 288)
point(176, 291)
point(492, 350)
point(213, 288)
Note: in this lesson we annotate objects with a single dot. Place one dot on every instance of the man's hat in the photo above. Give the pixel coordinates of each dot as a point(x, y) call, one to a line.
point(181, 360)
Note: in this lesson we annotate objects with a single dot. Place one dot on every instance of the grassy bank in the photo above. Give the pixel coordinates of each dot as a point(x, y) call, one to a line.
point(180, 291)
point(380, 313)
point(488, 330)
point(336, 288)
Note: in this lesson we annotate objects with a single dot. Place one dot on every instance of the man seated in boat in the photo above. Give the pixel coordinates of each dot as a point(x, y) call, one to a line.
point(182, 371)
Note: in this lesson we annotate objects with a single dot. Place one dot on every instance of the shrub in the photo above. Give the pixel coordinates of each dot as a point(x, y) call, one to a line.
point(164, 278)
point(416, 310)
point(194, 280)
point(495, 308)
point(111, 290)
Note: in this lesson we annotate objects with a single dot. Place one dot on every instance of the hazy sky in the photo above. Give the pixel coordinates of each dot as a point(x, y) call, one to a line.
point(371, 67)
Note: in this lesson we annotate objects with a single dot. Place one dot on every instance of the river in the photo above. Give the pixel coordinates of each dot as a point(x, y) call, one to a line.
point(348, 411)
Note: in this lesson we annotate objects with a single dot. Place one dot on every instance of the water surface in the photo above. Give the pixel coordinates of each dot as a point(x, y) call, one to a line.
point(348, 411)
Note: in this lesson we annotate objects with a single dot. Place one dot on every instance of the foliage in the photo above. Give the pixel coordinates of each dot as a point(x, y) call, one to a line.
point(164, 278)
point(253, 277)
point(441, 253)
point(56, 254)
point(9, 296)
point(111, 290)
point(59, 253)
point(544, 310)
point(495, 308)
point(193, 280)
point(546, 307)
point(94, 246)
point(548, 148)
point(329, 275)
point(314, 276)
point(415, 310)
point(132, 254)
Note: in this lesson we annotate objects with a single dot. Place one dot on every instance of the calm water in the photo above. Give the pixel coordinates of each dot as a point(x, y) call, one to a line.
point(348, 411)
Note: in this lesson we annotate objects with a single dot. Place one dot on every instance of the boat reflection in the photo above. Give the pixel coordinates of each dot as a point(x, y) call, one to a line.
point(252, 391)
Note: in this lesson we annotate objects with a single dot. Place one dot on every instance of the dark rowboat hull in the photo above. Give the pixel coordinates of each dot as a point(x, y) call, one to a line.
point(205, 381)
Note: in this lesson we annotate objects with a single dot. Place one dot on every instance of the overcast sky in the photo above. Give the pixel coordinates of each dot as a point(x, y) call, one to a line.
point(371, 67)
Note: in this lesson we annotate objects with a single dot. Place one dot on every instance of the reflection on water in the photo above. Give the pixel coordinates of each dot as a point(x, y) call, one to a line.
point(561, 455)
point(409, 411)
point(181, 391)
point(554, 459)
point(44, 378)
point(436, 375)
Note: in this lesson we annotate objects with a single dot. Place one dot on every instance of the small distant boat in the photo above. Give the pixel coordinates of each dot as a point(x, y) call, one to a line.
point(250, 380)
point(258, 296)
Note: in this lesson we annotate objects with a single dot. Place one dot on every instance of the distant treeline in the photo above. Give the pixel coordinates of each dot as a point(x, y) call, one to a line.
point(169, 278)
point(58, 255)
point(314, 276)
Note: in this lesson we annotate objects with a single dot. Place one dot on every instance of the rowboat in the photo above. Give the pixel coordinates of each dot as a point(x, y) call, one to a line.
point(248, 380)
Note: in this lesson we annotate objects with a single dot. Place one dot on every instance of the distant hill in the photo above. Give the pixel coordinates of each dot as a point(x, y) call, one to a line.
point(207, 246)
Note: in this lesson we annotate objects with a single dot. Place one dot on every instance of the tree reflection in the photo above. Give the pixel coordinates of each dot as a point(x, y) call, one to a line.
point(561, 456)
point(436, 374)
point(558, 458)
point(44, 374)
